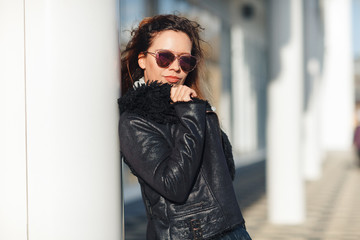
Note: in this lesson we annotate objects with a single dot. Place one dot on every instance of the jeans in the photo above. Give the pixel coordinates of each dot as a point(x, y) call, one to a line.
point(238, 233)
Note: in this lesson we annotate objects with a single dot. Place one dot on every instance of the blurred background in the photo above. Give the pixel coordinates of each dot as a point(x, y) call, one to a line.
point(284, 76)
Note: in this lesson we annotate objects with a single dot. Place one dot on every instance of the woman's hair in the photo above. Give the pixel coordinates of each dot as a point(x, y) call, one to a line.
point(142, 38)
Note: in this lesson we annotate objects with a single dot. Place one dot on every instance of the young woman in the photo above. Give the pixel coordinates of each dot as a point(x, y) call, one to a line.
point(170, 137)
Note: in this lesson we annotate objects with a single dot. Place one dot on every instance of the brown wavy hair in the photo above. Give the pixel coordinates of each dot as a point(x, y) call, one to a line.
point(142, 38)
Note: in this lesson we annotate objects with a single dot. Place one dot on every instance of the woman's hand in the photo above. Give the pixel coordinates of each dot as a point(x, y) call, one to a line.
point(182, 93)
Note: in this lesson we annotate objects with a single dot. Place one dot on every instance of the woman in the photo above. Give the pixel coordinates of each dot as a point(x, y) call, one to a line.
point(170, 137)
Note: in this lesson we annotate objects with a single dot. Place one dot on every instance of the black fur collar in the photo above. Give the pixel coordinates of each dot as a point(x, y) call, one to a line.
point(150, 100)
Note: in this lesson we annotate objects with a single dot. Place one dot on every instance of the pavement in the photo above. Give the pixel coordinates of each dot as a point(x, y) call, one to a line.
point(332, 205)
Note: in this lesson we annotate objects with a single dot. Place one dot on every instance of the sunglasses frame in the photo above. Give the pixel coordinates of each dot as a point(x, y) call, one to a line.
point(176, 56)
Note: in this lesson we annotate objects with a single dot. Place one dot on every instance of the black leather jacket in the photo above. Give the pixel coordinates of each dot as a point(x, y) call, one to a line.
point(177, 153)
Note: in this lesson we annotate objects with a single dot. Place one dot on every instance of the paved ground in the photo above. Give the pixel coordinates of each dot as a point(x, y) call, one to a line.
point(333, 205)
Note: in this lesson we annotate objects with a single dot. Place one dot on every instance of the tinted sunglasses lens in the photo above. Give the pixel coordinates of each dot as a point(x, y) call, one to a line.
point(187, 63)
point(165, 58)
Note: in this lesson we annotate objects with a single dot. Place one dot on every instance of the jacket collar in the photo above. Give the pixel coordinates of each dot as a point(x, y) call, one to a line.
point(151, 101)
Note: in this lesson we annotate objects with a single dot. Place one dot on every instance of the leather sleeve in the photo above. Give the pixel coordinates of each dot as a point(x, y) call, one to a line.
point(169, 166)
point(228, 154)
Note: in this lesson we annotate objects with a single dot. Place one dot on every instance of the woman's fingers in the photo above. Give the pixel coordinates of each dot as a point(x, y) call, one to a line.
point(187, 94)
point(193, 93)
point(173, 94)
point(182, 93)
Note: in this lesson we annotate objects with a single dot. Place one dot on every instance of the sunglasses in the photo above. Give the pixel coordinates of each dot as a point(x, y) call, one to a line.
point(165, 57)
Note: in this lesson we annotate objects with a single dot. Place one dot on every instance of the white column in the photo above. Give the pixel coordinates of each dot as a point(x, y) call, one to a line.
point(64, 105)
point(13, 217)
point(285, 188)
point(238, 88)
point(243, 94)
point(225, 113)
point(312, 92)
point(311, 152)
point(338, 90)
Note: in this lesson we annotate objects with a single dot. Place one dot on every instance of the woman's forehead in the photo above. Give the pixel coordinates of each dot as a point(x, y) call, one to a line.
point(172, 40)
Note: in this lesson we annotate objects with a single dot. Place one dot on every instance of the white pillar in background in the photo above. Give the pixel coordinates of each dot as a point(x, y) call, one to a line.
point(225, 111)
point(285, 187)
point(239, 90)
point(338, 90)
point(243, 95)
point(62, 92)
point(13, 217)
point(312, 156)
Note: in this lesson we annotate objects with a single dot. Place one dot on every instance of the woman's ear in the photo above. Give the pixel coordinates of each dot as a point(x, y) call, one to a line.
point(141, 60)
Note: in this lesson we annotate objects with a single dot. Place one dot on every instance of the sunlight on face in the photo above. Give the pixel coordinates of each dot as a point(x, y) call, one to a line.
point(178, 43)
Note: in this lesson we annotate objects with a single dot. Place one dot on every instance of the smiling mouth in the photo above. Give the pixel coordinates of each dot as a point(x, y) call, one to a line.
point(172, 79)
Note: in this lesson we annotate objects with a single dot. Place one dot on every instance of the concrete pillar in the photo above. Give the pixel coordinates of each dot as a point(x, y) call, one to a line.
point(313, 29)
point(312, 155)
point(285, 187)
point(13, 200)
point(338, 90)
point(62, 167)
point(225, 62)
point(237, 90)
point(243, 95)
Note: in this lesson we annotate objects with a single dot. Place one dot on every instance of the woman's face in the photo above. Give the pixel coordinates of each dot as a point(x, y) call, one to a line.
point(178, 43)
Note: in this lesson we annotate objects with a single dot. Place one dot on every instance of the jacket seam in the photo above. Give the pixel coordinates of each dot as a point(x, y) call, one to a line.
point(167, 217)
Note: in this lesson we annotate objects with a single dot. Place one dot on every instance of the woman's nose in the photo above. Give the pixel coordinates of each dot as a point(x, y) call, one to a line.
point(175, 65)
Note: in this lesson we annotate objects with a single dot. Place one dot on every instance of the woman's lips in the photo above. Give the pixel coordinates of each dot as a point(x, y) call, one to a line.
point(172, 79)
